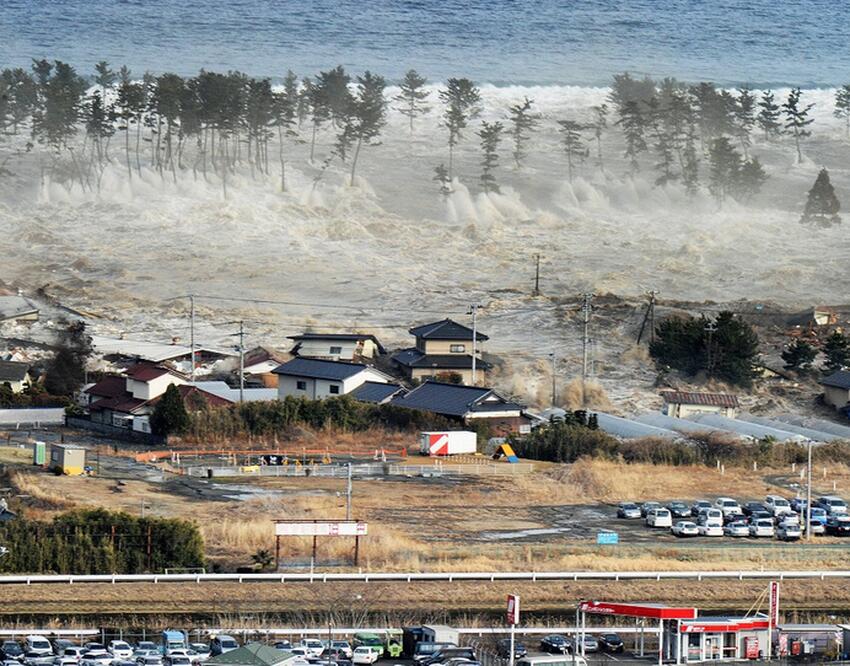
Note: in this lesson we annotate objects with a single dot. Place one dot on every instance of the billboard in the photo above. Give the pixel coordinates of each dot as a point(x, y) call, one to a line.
point(321, 528)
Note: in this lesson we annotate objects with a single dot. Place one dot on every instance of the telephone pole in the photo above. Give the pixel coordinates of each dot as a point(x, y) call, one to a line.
point(348, 495)
point(710, 328)
point(586, 308)
point(473, 310)
point(554, 394)
point(648, 318)
point(192, 335)
point(536, 291)
point(241, 362)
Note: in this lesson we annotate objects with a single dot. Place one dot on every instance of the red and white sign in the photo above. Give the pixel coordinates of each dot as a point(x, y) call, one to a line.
point(322, 528)
point(513, 609)
point(448, 443)
point(774, 603)
point(438, 444)
point(654, 611)
point(730, 624)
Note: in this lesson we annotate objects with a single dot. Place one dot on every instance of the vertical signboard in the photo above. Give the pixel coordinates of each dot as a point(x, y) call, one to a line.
point(513, 609)
point(774, 603)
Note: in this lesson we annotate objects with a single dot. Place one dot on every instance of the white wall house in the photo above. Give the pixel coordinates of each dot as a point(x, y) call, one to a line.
point(336, 346)
point(146, 382)
point(316, 379)
point(15, 374)
point(836, 389)
point(682, 404)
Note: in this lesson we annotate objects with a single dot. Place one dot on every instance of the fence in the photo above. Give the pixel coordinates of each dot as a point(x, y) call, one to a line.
point(45, 416)
point(369, 469)
point(114, 431)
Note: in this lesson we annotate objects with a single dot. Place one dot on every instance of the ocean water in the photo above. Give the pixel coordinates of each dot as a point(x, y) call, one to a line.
point(520, 42)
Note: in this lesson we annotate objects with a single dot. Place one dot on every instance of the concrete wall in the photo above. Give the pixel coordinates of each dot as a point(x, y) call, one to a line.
point(836, 397)
point(116, 433)
point(40, 416)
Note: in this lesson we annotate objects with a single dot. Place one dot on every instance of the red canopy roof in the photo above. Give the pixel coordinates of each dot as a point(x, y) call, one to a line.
point(656, 611)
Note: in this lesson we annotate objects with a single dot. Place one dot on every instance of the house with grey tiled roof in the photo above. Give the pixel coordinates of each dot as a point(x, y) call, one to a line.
point(443, 348)
point(836, 389)
point(315, 378)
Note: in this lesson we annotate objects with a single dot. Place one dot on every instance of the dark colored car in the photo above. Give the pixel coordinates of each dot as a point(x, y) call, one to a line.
point(750, 507)
point(503, 649)
point(838, 525)
point(556, 644)
point(11, 650)
point(761, 515)
point(444, 654)
point(679, 510)
point(734, 518)
point(334, 654)
point(610, 643)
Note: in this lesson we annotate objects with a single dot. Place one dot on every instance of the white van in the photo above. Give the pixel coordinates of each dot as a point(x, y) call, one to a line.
point(552, 660)
point(777, 505)
point(38, 644)
point(659, 518)
point(366, 654)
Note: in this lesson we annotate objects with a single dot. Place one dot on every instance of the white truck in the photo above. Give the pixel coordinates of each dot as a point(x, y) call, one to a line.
point(448, 443)
point(440, 633)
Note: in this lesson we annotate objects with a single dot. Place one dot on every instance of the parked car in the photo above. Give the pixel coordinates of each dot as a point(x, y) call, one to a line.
point(37, 644)
point(503, 647)
point(39, 658)
point(59, 645)
point(832, 504)
point(120, 650)
point(685, 528)
point(762, 528)
point(727, 505)
point(590, 644)
point(819, 518)
point(646, 507)
point(628, 510)
point(147, 645)
point(177, 660)
point(749, 507)
point(64, 661)
point(838, 525)
point(798, 504)
point(282, 645)
point(710, 516)
point(710, 528)
point(150, 659)
point(445, 654)
point(734, 518)
point(11, 650)
point(344, 647)
point(223, 643)
point(202, 651)
point(313, 646)
point(611, 643)
point(659, 518)
point(424, 651)
point(556, 644)
point(74, 652)
point(679, 510)
point(699, 506)
point(737, 529)
point(366, 654)
point(761, 515)
point(777, 505)
point(789, 532)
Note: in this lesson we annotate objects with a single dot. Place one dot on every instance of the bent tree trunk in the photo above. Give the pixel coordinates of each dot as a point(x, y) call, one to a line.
point(354, 159)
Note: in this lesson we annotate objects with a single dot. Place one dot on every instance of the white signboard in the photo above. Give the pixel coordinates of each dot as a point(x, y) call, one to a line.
point(322, 528)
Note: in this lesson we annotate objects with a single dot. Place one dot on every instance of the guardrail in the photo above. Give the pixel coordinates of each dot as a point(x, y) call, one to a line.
point(417, 577)
point(368, 469)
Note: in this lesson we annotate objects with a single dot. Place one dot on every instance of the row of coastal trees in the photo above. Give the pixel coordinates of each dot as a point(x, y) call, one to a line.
point(213, 123)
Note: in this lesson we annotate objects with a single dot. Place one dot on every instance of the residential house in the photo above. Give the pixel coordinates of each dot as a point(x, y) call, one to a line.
point(377, 392)
point(468, 405)
point(15, 374)
point(132, 351)
point(443, 348)
point(259, 364)
point(249, 394)
point(352, 347)
point(682, 404)
point(836, 389)
point(314, 378)
point(128, 400)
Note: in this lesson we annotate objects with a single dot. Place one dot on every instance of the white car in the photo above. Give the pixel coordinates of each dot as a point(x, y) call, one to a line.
point(762, 528)
point(38, 645)
point(737, 529)
point(789, 532)
point(201, 650)
point(120, 650)
point(727, 506)
point(711, 528)
point(366, 654)
point(344, 647)
point(777, 505)
point(313, 646)
point(74, 652)
point(832, 504)
point(710, 516)
point(685, 528)
point(65, 661)
point(659, 518)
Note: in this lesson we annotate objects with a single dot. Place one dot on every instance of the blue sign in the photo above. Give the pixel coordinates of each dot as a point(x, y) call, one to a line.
point(607, 538)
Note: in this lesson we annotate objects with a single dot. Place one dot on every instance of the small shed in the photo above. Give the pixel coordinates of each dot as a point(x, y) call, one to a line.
point(683, 404)
point(69, 458)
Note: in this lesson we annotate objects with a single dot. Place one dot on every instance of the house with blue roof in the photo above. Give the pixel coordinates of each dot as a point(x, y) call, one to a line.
point(316, 379)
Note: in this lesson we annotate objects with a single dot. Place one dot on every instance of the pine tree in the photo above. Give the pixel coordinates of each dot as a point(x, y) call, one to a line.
point(491, 136)
point(285, 112)
point(523, 122)
point(836, 349)
point(663, 140)
point(633, 124)
point(461, 99)
point(799, 356)
point(690, 162)
point(130, 104)
point(797, 118)
point(842, 106)
point(600, 123)
point(169, 415)
point(441, 176)
point(368, 115)
point(572, 144)
point(769, 115)
point(724, 168)
point(745, 106)
point(822, 205)
point(750, 178)
point(412, 96)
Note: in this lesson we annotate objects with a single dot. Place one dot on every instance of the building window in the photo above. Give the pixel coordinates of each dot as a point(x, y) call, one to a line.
point(301, 385)
point(336, 350)
point(457, 349)
point(334, 389)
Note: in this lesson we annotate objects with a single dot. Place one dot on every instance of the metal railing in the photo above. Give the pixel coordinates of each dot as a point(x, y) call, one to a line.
point(368, 469)
point(410, 577)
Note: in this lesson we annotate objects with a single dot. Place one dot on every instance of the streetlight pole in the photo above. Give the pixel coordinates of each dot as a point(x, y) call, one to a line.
point(241, 362)
point(192, 335)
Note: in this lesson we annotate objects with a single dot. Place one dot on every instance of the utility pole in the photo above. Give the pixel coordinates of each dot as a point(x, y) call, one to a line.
point(348, 495)
point(241, 362)
point(554, 395)
point(710, 328)
point(586, 308)
point(648, 318)
point(473, 310)
point(536, 291)
point(192, 335)
point(809, 494)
